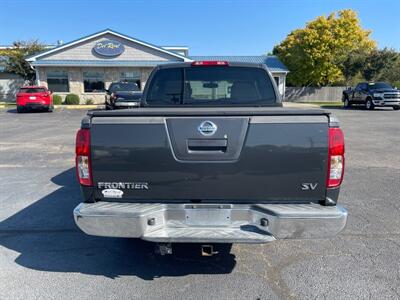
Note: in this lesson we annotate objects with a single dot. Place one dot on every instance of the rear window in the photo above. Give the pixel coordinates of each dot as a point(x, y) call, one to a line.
point(124, 86)
point(32, 90)
point(217, 85)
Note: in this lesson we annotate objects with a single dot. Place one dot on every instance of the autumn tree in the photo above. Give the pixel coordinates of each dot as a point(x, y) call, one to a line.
point(16, 63)
point(316, 54)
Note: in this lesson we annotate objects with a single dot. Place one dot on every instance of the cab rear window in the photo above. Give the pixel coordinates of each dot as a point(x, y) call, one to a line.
point(32, 90)
point(217, 85)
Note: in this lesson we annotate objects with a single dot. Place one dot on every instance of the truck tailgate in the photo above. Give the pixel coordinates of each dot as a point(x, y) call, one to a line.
point(254, 156)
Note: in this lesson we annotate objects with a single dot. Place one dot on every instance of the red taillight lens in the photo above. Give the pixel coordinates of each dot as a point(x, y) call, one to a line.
point(210, 63)
point(335, 157)
point(82, 151)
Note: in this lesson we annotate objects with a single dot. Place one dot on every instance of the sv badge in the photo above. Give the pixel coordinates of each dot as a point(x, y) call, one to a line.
point(308, 186)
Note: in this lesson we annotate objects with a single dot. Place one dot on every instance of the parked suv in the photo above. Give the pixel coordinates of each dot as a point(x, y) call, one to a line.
point(122, 95)
point(372, 94)
point(39, 97)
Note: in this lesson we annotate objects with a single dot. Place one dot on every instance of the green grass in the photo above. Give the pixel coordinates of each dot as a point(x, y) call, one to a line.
point(326, 104)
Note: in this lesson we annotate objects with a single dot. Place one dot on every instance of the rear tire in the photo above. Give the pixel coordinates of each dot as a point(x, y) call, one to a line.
point(347, 103)
point(50, 109)
point(20, 109)
point(369, 104)
point(396, 107)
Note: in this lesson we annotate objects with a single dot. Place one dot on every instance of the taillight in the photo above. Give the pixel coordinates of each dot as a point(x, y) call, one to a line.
point(335, 158)
point(210, 63)
point(82, 151)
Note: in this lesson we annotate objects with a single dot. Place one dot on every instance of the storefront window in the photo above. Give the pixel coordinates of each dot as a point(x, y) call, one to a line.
point(130, 77)
point(93, 82)
point(57, 81)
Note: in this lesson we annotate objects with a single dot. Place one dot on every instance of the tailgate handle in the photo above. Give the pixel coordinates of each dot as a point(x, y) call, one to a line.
point(218, 145)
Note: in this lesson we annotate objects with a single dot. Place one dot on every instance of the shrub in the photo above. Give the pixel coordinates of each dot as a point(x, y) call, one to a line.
point(72, 99)
point(89, 102)
point(57, 100)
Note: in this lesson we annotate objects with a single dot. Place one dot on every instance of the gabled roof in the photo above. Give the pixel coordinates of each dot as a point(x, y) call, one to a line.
point(100, 63)
point(271, 61)
point(110, 31)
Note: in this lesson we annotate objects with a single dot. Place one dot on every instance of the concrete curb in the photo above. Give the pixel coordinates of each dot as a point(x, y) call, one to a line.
point(78, 106)
point(299, 105)
point(59, 106)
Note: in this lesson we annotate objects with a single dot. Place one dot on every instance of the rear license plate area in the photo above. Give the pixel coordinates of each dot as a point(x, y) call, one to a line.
point(207, 216)
point(32, 98)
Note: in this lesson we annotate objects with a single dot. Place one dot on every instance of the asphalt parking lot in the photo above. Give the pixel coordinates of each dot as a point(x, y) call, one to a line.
point(44, 255)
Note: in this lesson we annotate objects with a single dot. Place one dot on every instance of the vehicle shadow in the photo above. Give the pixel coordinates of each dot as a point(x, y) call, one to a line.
point(14, 111)
point(46, 238)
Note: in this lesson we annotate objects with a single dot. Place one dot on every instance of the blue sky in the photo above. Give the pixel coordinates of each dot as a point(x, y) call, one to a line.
point(207, 27)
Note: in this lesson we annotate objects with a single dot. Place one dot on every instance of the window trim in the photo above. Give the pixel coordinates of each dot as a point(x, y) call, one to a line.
point(103, 80)
point(52, 77)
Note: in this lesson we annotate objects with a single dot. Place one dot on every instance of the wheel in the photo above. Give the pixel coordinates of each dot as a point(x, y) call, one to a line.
point(347, 103)
point(369, 104)
point(396, 107)
point(20, 109)
point(50, 109)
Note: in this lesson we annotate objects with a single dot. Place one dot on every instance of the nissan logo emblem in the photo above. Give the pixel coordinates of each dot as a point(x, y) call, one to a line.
point(207, 128)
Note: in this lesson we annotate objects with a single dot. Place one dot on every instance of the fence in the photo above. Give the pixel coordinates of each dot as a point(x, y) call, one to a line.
point(9, 85)
point(316, 94)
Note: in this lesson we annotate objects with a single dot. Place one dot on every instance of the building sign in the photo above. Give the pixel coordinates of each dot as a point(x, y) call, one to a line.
point(109, 48)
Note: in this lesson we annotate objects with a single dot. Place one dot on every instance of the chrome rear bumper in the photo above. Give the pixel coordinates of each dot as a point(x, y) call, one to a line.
point(210, 223)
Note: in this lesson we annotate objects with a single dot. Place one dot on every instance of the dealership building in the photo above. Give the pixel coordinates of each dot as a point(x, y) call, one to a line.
point(88, 65)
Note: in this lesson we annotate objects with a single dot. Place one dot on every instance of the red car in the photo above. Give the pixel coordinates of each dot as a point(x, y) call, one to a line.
point(34, 97)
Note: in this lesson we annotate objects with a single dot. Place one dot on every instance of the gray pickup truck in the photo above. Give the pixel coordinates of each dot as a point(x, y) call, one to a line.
point(210, 157)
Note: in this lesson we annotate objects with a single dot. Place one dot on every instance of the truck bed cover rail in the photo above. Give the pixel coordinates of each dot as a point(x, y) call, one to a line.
point(210, 111)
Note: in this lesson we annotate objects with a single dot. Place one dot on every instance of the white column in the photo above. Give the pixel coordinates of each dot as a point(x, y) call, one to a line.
point(284, 85)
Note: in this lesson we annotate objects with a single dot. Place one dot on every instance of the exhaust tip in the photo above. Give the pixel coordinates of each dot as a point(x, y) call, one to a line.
point(208, 250)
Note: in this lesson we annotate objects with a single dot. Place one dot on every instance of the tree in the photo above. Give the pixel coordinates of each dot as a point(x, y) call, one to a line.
point(378, 63)
point(353, 66)
point(391, 73)
point(16, 56)
point(316, 54)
